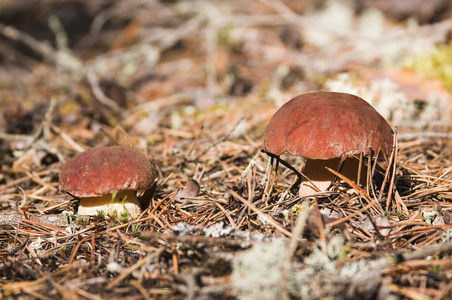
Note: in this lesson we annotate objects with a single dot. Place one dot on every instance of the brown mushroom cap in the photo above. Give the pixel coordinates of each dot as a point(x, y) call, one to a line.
point(326, 125)
point(102, 171)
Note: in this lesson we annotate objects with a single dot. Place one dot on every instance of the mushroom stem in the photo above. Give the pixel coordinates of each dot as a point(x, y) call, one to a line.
point(321, 179)
point(124, 201)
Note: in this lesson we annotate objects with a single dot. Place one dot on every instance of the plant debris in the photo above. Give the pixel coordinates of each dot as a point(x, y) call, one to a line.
point(192, 85)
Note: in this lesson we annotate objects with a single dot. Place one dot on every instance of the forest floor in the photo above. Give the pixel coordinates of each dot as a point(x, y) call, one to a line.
point(193, 84)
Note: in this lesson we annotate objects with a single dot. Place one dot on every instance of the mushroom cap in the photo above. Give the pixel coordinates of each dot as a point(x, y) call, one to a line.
point(106, 170)
point(326, 125)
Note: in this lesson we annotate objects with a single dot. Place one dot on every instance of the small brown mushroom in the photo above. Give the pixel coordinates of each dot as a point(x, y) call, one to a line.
point(96, 174)
point(327, 128)
point(191, 190)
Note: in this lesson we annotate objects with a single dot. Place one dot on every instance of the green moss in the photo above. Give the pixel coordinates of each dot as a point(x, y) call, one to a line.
point(437, 64)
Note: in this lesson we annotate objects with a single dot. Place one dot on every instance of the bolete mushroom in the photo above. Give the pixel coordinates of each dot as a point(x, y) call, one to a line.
point(327, 128)
point(96, 175)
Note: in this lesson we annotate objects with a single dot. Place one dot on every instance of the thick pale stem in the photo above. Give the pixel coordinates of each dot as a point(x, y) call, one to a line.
point(90, 205)
point(321, 178)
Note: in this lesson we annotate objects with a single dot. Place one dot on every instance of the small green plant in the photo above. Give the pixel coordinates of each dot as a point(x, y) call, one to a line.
point(136, 231)
point(113, 196)
point(113, 215)
point(124, 217)
point(100, 215)
point(119, 218)
point(437, 269)
point(82, 220)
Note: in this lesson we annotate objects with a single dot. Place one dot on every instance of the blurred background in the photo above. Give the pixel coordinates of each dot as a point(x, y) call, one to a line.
point(165, 72)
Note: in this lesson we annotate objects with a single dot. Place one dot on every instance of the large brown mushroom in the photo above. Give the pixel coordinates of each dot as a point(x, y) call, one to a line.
point(327, 129)
point(96, 175)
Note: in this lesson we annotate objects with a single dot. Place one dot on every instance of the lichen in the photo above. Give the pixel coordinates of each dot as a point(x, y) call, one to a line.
point(257, 271)
point(393, 104)
point(217, 230)
point(447, 235)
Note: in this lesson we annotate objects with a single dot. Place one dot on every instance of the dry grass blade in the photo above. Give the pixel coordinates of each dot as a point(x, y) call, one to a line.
point(267, 218)
point(142, 262)
point(74, 252)
point(361, 192)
